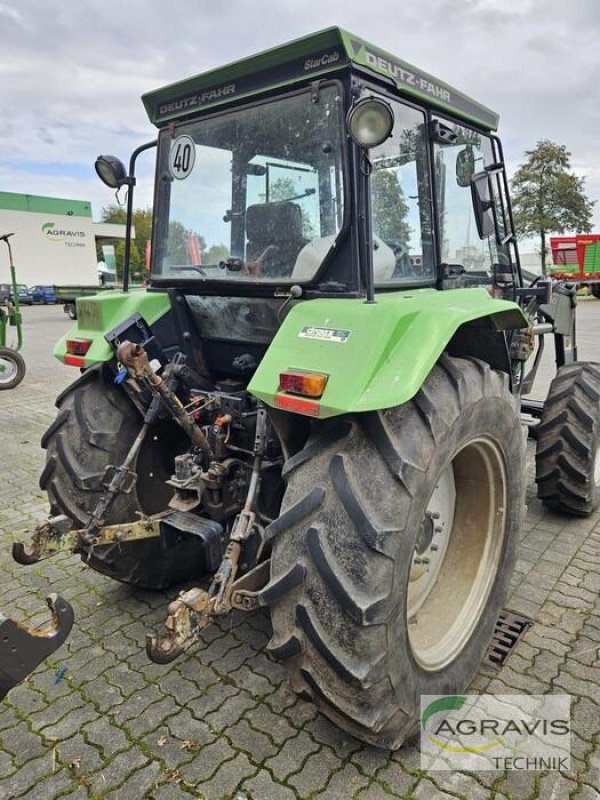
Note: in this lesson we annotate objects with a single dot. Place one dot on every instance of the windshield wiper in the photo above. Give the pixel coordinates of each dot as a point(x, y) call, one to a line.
point(192, 268)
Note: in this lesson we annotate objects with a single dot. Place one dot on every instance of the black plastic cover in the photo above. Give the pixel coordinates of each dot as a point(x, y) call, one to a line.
point(183, 523)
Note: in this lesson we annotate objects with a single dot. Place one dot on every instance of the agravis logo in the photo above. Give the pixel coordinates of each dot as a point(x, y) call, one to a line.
point(497, 732)
point(435, 724)
point(72, 238)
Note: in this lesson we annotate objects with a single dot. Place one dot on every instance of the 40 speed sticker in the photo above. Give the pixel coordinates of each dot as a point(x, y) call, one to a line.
point(325, 334)
point(181, 157)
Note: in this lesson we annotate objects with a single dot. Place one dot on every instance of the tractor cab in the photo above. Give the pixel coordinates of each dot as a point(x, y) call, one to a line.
point(328, 165)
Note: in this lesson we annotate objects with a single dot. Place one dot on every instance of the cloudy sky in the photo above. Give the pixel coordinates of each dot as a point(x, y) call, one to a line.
point(71, 73)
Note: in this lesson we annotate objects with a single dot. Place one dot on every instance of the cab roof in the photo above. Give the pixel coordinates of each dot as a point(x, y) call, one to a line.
point(310, 57)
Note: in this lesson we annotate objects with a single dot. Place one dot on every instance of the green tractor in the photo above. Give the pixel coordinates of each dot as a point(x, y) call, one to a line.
point(316, 406)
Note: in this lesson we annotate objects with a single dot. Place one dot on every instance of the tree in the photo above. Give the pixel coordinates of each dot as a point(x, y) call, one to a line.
point(548, 197)
point(284, 189)
point(142, 221)
point(389, 208)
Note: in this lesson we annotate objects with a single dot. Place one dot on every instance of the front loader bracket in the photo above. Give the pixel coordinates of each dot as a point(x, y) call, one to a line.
point(23, 648)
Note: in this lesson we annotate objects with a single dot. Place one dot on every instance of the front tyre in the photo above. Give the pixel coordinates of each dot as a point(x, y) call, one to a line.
point(568, 441)
point(394, 550)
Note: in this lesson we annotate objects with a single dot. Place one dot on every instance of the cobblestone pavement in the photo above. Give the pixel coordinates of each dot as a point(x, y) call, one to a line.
point(220, 722)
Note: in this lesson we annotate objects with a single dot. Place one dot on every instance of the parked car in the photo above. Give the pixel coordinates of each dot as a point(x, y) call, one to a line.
point(6, 293)
point(43, 294)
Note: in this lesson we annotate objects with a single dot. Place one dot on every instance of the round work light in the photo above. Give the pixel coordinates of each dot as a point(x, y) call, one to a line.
point(111, 171)
point(370, 121)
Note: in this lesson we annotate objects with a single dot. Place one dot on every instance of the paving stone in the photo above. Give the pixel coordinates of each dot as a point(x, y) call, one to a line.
point(178, 687)
point(138, 784)
point(78, 794)
point(315, 774)
point(151, 717)
point(27, 777)
point(546, 666)
point(585, 718)
point(252, 682)
point(275, 726)
point(459, 783)
point(70, 723)
point(258, 745)
point(230, 711)
point(27, 699)
point(292, 755)
point(587, 792)
point(211, 700)
point(78, 755)
point(135, 705)
point(171, 791)
point(116, 771)
point(103, 695)
point(50, 788)
point(263, 787)
point(376, 791)
point(207, 762)
point(427, 790)
point(7, 765)
point(126, 680)
point(55, 711)
point(344, 783)
point(225, 781)
point(22, 744)
point(104, 734)
point(577, 686)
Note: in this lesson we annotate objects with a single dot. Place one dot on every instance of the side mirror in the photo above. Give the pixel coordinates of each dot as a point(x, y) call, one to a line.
point(483, 205)
point(465, 166)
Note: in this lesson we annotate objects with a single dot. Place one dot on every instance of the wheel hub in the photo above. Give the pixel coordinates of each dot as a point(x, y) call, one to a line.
point(432, 541)
point(8, 370)
point(456, 553)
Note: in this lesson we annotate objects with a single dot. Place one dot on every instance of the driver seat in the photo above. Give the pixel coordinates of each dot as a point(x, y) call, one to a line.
point(274, 234)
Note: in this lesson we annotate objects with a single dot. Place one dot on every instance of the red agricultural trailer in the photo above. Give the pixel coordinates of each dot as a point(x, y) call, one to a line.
point(577, 258)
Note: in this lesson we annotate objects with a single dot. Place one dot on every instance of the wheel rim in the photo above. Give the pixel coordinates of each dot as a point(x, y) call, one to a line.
point(8, 369)
point(449, 586)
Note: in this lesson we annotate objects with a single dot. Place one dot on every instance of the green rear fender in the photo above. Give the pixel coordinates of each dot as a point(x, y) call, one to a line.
point(376, 355)
point(99, 314)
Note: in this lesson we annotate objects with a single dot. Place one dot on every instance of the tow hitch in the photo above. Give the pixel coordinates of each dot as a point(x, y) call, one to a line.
point(23, 648)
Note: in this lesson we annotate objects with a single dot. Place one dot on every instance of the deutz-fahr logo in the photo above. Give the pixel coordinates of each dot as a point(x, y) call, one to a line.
point(324, 334)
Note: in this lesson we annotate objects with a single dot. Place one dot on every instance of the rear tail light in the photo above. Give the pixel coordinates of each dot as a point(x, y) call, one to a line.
point(310, 384)
point(78, 347)
point(74, 361)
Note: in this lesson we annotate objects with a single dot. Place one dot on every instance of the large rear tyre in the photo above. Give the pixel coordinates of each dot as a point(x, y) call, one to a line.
point(394, 550)
point(12, 368)
point(595, 287)
point(568, 441)
point(95, 426)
